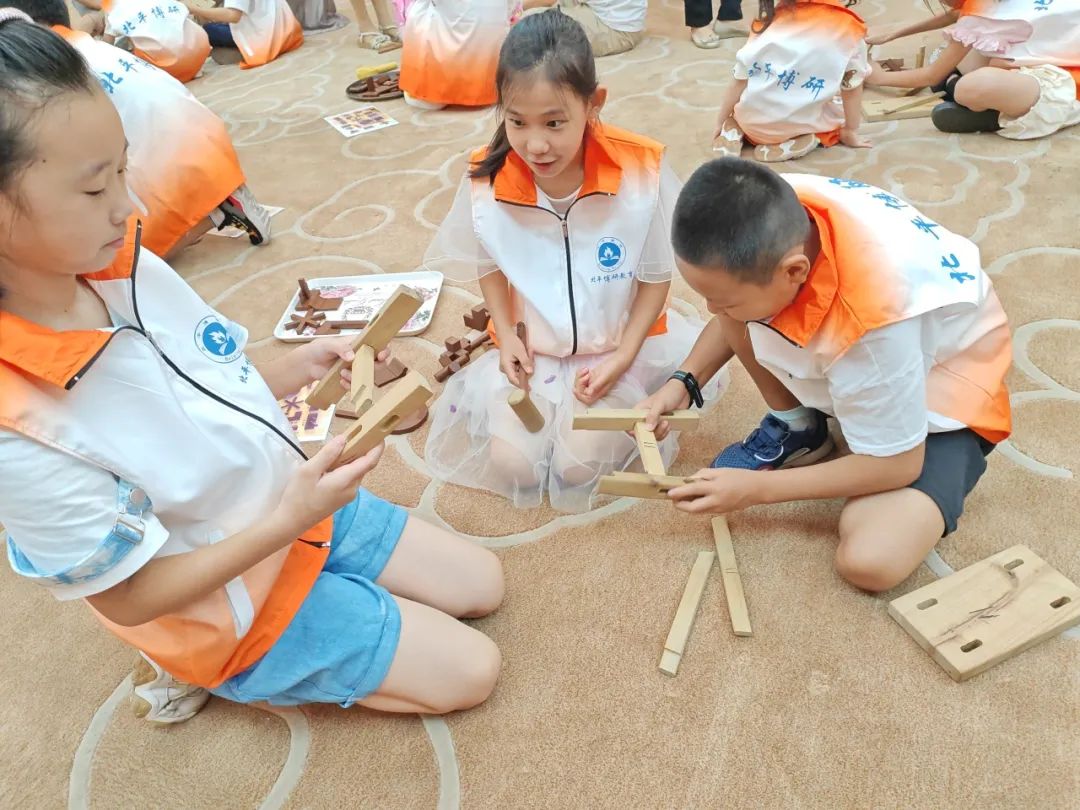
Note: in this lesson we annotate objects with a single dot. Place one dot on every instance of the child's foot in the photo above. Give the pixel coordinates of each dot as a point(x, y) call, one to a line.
point(773, 444)
point(953, 117)
point(730, 140)
point(158, 697)
point(788, 150)
point(705, 38)
point(378, 41)
point(243, 211)
point(728, 30)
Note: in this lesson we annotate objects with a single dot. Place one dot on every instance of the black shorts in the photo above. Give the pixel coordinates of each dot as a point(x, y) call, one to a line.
point(953, 464)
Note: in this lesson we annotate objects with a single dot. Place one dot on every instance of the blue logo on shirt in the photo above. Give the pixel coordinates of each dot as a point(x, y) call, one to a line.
point(215, 341)
point(610, 253)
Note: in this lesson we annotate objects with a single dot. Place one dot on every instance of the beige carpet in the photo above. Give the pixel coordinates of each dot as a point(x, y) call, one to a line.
point(829, 705)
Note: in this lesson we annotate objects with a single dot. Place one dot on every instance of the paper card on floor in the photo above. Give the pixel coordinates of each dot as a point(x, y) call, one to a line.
point(232, 232)
point(357, 122)
point(309, 424)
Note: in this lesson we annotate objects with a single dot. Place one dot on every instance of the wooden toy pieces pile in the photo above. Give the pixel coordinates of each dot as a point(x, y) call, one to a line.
point(402, 408)
point(462, 351)
point(311, 309)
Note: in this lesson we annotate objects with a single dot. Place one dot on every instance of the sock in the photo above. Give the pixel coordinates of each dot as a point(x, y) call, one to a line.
point(217, 217)
point(798, 418)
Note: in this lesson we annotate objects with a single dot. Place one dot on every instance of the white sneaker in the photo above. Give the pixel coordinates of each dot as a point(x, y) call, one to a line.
point(726, 30)
point(158, 697)
point(243, 211)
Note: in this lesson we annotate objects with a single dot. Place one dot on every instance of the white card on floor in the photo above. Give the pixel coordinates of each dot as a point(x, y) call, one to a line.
point(233, 232)
point(357, 122)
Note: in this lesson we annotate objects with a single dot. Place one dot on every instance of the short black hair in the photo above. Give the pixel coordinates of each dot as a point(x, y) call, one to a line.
point(740, 216)
point(43, 12)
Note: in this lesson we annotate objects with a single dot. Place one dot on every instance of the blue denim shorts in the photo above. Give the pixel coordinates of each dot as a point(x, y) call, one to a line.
point(339, 645)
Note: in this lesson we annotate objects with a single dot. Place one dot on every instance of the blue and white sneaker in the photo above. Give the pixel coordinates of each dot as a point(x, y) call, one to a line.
point(773, 445)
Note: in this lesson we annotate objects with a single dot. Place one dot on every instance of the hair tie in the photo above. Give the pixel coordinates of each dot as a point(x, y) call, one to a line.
point(9, 14)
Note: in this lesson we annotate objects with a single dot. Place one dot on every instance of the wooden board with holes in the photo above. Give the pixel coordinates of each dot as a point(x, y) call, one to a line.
point(403, 399)
point(988, 612)
point(887, 109)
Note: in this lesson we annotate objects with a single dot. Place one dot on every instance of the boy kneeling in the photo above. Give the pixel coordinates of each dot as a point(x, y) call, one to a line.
point(842, 300)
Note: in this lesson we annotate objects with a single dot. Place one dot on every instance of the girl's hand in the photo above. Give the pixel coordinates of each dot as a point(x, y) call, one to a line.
point(318, 356)
point(879, 38)
point(852, 138)
point(672, 396)
point(314, 492)
point(515, 361)
point(718, 491)
point(592, 384)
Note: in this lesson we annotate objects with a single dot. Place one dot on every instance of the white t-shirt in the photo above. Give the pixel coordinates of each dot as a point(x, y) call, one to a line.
point(621, 15)
point(265, 30)
point(162, 30)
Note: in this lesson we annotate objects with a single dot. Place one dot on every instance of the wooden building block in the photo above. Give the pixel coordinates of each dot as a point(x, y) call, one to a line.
point(899, 109)
point(386, 323)
point(729, 571)
point(651, 460)
point(625, 419)
point(399, 402)
point(392, 369)
point(684, 615)
point(477, 318)
point(988, 612)
point(525, 410)
point(638, 485)
point(362, 392)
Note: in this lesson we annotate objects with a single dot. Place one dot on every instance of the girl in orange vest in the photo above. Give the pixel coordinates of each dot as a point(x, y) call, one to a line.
point(130, 425)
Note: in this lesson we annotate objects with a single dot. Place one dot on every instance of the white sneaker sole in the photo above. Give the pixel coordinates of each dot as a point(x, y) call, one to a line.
point(258, 215)
point(813, 456)
point(157, 697)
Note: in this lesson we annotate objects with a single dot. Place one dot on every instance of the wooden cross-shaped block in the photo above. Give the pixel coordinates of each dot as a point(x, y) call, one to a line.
point(400, 402)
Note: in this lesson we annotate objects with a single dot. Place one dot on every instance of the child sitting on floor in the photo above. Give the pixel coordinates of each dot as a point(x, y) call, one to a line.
point(800, 58)
point(612, 26)
point(181, 164)
point(262, 30)
point(564, 222)
point(149, 470)
point(842, 300)
point(1010, 67)
point(160, 32)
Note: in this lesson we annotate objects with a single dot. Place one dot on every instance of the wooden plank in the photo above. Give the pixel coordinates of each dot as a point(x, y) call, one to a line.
point(639, 485)
point(898, 109)
point(401, 400)
point(685, 614)
point(651, 460)
point(526, 410)
point(362, 392)
point(386, 323)
point(988, 612)
point(625, 419)
point(729, 571)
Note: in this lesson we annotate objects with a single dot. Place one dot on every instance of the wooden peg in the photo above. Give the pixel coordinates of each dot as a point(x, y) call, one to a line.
point(685, 614)
point(651, 460)
point(386, 323)
point(315, 300)
point(733, 589)
point(400, 402)
point(526, 410)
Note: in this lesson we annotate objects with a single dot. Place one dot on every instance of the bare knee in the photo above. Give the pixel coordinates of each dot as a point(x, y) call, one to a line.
point(470, 678)
point(868, 571)
point(510, 461)
point(977, 91)
point(487, 587)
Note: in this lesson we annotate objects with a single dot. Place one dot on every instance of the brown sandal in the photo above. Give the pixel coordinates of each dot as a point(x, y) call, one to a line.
point(381, 87)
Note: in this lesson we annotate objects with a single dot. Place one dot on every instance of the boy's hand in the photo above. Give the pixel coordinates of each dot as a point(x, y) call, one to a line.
point(515, 361)
point(592, 384)
point(672, 396)
point(317, 356)
point(852, 138)
point(719, 491)
point(313, 493)
point(879, 37)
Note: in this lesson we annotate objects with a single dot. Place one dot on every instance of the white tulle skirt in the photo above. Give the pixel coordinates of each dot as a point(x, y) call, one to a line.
point(476, 440)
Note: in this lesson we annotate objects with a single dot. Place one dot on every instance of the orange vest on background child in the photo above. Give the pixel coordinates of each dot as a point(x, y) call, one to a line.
point(795, 70)
point(267, 30)
point(883, 262)
point(181, 162)
point(161, 32)
point(451, 50)
point(168, 408)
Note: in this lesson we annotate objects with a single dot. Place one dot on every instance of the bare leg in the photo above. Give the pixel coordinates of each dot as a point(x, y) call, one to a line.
point(192, 237)
point(776, 396)
point(884, 537)
point(440, 666)
point(439, 569)
point(973, 61)
point(1007, 91)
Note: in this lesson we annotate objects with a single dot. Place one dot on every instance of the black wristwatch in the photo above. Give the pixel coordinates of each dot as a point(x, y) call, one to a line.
point(692, 387)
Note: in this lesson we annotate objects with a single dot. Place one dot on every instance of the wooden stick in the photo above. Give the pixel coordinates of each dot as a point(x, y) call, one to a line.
point(401, 400)
point(729, 571)
point(526, 410)
point(651, 459)
point(916, 103)
point(362, 392)
point(625, 419)
point(386, 323)
point(638, 485)
point(684, 615)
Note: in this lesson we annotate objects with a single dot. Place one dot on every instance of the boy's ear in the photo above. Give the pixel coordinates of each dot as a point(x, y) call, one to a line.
point(796, 267)
point(596, 103)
